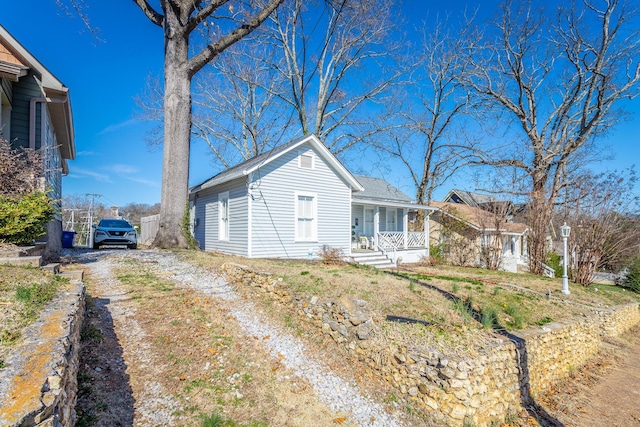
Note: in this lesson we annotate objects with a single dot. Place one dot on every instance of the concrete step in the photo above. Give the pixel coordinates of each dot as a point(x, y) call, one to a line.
point(53, 268)
point(373, 259)
point(369, 258)
point(380, 264)
point(365, 255)
point(32, 261)
point(73, 274)
point(22, 251)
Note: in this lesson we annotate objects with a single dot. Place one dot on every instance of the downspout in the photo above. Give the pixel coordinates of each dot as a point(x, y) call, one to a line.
point(249, 216)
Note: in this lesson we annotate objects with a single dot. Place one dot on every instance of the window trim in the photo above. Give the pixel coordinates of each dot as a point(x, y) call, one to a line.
point(314, 224)
point(223, 228)
point(306, 153)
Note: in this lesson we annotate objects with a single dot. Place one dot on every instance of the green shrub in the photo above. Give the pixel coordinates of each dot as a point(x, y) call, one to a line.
point(24, 218)
point(633, 276)
point(436, 253)
point(553, 261)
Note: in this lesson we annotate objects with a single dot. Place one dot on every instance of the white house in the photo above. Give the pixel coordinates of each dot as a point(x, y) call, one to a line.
point(292, 200)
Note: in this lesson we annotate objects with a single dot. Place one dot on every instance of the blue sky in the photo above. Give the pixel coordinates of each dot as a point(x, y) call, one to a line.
point(104, 77)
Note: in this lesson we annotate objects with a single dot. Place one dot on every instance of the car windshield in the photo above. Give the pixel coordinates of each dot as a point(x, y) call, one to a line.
point(114, 223)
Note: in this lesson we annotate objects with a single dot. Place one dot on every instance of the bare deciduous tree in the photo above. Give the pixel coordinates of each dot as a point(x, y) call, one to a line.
point(238, 109)
point(315, 67)
point(555, 83)
point(492, 233)
point(602, 222)
point(427, 114)
point(20, 170)
point(221, 27)
point(335, 62)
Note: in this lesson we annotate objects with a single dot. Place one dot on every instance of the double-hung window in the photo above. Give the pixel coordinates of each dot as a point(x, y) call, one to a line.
point(392, 220)
point(223, 214)
point(306, 217)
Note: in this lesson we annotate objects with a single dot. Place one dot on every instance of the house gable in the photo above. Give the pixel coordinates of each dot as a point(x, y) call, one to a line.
point(34, 86)
point(254, 164)
point(280, 189)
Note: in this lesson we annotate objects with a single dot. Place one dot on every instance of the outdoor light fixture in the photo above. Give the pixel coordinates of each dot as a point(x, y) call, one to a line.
point(565, 231)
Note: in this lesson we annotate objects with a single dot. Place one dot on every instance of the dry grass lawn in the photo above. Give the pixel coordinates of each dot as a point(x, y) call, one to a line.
point(24, 291)
point(462, 305)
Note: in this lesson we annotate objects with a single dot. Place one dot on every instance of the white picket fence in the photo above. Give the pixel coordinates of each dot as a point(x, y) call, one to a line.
point(149, 226)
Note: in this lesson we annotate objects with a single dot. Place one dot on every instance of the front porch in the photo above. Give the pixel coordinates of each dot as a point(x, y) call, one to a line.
point(385, 228)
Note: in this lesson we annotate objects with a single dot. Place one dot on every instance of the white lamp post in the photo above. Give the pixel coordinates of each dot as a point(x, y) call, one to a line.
point(565, 230)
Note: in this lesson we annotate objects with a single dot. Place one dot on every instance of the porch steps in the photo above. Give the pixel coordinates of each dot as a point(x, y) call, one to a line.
point(372, 258)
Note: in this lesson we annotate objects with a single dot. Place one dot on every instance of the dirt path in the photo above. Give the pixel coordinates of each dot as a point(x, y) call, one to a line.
point(615, 401)
point(605, 392)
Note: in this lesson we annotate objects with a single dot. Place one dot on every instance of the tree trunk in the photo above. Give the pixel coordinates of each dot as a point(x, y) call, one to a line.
point(539, 217)
point(177, 134)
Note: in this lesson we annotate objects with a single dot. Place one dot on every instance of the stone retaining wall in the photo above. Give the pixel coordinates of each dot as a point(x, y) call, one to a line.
point(559, 348)
point(505, 374)
point(38, 387)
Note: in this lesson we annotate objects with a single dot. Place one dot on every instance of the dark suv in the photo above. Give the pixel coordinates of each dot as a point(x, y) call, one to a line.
point(115, 231)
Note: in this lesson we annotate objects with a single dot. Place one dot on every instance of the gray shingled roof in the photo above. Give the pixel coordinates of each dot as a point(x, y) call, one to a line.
point(472, 199)
point(379, 189)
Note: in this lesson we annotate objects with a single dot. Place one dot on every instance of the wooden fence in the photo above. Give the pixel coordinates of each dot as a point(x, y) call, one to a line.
point(149, 228)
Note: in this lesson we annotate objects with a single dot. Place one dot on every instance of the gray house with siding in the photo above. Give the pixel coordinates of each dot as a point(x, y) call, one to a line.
point(35, 112)
point(291, 201)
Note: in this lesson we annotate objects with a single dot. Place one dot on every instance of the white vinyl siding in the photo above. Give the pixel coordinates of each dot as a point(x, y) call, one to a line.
point(274, 202)
point(223, 215)
point(208, 218)
point(306, 217)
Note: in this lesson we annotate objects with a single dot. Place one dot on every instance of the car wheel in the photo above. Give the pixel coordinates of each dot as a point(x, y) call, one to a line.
point(133, 246)
point(96, 246)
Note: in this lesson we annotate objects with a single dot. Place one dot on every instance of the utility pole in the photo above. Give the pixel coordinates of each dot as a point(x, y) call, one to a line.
point(90, 219)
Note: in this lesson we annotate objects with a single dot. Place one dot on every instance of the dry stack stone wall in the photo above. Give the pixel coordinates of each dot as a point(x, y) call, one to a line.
point(554, 351)
point(38, 387)
point(482, 389)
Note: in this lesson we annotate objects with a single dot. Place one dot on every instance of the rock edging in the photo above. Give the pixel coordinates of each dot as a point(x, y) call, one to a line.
point(39, 385)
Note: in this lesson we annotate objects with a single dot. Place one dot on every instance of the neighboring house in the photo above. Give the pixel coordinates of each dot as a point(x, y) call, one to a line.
point(35, 112)
point(293, 200)
point(473, 236)
point(468, 198)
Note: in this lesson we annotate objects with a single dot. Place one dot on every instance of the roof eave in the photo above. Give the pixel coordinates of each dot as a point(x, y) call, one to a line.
point(392, 203)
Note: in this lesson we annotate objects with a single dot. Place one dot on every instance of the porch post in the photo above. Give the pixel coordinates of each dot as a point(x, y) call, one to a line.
point(427, 216)
point(405, 226)
point(376, 227)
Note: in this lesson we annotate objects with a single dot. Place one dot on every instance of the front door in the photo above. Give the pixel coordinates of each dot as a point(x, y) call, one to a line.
point(368, 222)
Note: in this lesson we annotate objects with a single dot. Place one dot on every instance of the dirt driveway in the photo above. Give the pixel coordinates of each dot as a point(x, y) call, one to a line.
point(168, 344)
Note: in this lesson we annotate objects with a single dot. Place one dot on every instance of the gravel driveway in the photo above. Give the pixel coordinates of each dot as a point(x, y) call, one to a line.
point(144, 400)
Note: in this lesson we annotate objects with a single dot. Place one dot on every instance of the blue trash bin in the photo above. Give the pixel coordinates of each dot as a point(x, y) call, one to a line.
point(67, 239)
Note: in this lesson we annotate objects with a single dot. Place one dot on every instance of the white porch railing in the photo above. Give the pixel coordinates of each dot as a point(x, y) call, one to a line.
point(401, 240)
point(546, 270)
